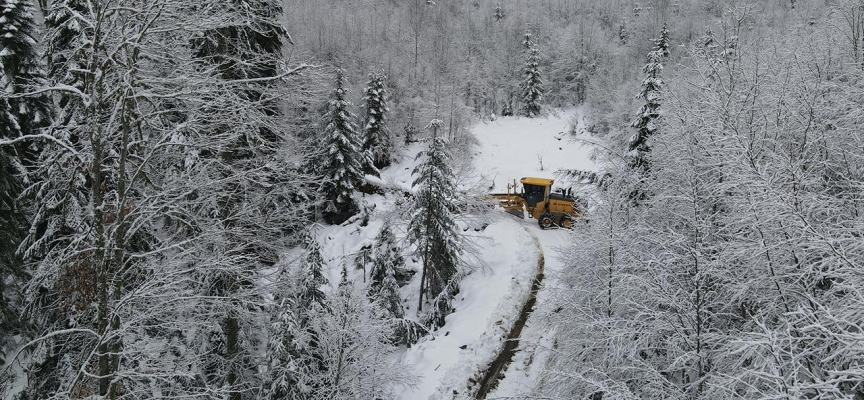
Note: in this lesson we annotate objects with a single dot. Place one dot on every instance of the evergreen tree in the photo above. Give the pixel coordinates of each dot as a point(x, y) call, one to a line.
point(623, 32)
point(527, 43)
point(312, 270)
point(648, 117)
point(343, 276)
point(343, 166)
point(662, 43)
point(499, 13)
point(410, 133)
point(59, 221)
point(388, 294)
point(386, 255)
point(384, 287)
point(65, 54)
point(531, 86)
point(292, 342)
point(336, 349)
point(433, 229)
point(377, 141)
point(363, 258)
point(14, 224)
point(285, 351)
point(405, 331)
point(20, 71)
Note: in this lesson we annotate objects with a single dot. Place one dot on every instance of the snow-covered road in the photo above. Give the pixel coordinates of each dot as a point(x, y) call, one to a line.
point(531, 354)
point(489, 301)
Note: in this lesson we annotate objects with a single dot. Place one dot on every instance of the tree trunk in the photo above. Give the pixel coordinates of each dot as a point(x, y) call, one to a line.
point(232, 333)
point(423, 280)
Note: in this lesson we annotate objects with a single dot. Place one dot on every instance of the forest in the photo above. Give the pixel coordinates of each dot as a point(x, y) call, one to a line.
point(179, 181)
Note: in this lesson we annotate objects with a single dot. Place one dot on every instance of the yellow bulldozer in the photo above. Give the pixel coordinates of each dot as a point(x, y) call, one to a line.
point(548, 208)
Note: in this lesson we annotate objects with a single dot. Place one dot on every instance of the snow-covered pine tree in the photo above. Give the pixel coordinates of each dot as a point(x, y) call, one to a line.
point(66, 49)
point(404, 330)
point(285, 351)
point(623, 32)
point(292, 341)
point(648, 117)
point(343, 275)
point(65, 54)
point(343, 164)
point(662, 43)
point(388, 294)
point(312, 270)
point(387, 263)
point(20, 71)
point(527, 43)
point(433, 230)
point(363, 258)
point(377, 140)
point(386, 255)
point(531, 87)
point(14, 223)
point(410, 133)
point(499, 13)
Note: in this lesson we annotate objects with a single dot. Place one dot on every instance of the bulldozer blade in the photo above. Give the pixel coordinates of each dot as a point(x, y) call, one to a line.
point(516, 213)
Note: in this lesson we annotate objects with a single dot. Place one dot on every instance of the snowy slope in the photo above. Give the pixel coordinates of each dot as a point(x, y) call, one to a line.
point(513, 147)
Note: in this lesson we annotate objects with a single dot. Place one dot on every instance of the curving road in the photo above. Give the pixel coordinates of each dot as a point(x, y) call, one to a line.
point(493, 373)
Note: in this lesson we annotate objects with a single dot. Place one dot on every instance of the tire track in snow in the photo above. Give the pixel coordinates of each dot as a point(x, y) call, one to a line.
point(493, 373)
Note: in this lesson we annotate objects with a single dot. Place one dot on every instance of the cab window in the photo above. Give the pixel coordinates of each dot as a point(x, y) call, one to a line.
point(534, 194)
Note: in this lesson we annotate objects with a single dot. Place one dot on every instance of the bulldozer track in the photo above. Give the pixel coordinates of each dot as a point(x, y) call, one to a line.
point(494, 373)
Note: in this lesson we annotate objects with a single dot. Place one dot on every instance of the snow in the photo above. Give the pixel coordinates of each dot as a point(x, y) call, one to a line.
point(489, 300)
point(513, 147)
point(15, 369)
point(535, 346)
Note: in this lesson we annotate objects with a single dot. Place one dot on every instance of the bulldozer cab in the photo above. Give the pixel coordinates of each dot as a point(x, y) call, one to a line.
point(534, 194)
point(536, 190)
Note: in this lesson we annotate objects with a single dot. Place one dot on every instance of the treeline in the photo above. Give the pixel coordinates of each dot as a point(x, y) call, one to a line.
point(455, 60)
point(722, 257)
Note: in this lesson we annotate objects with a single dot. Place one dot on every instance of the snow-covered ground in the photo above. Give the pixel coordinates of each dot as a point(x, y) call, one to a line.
point(515, 147)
